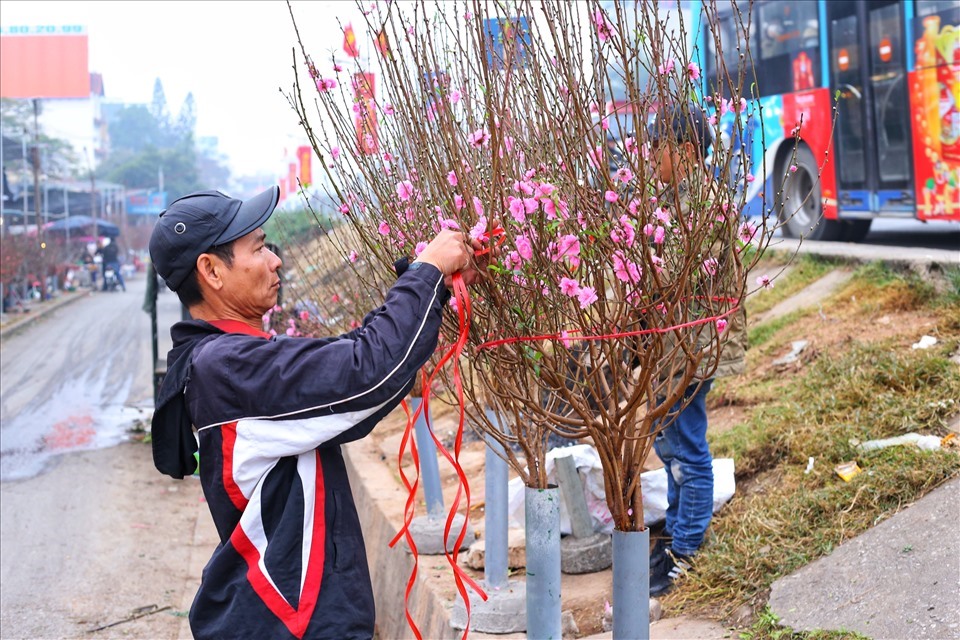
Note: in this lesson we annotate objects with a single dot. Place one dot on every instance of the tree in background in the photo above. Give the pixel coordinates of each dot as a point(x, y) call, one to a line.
point(145, 140)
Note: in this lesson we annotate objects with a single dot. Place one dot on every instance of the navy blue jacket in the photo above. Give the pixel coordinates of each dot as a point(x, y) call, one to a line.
point(271, 415)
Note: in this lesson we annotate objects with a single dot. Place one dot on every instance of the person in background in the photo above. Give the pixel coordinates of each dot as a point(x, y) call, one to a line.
point(111, 260)
point(272, 412)
point(682, 445)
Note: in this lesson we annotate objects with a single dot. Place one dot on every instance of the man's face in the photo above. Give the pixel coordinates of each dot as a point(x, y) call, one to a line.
point(672, 162)
point(251, 284)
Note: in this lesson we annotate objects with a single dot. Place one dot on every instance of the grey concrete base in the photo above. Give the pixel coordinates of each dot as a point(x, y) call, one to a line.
point(503, 612)
point(900, 579)
point(427, 533)
point(585, 555)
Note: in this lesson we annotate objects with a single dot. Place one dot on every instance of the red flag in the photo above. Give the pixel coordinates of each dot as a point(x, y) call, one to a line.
point(350, 42)
point(382, 45)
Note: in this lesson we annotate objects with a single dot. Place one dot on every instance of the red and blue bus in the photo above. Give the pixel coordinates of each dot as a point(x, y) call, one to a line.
point(892, 70)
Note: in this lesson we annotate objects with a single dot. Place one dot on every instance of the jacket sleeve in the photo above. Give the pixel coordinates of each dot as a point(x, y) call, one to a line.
point(400, 266)
point(296, 394)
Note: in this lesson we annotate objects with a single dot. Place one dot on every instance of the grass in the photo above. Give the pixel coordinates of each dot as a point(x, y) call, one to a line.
point(767, 627)
point(782, 518)
point(805, 269)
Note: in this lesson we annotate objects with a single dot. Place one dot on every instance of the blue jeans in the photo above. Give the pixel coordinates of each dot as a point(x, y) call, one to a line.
point(683, 448)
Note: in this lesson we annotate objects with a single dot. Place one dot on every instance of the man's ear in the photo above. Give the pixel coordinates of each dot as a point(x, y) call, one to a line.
point(209, 271)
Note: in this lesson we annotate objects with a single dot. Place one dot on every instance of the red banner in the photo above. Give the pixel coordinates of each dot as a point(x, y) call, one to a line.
point(304, 156)
point(383, 45)
point(350, 42)
point(365, 120)
point(292, 178)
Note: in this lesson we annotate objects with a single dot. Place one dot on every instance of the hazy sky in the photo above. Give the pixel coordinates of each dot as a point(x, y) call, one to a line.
point(233, 56)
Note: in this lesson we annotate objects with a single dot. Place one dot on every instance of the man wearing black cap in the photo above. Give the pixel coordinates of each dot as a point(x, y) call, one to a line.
point(271, 415)
point(680, 141)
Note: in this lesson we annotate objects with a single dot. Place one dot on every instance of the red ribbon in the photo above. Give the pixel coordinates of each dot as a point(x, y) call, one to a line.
point(608, 336)
point(463, 488)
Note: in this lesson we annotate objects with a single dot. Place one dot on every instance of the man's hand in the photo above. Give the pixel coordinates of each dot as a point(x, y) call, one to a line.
point(448, 252)
point(451, 252)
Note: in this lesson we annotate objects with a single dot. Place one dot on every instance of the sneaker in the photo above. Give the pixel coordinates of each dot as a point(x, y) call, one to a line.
point(663, 579)
point(658, 555)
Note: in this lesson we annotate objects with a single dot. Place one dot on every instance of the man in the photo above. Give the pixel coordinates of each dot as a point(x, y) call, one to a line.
point(272, 413)
point(680, 141)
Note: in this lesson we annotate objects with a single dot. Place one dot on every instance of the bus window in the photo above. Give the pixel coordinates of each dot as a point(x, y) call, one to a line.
point(845, 67)
point(930, 7)
point(730, 32)
point(890, 102)
point(789, 34)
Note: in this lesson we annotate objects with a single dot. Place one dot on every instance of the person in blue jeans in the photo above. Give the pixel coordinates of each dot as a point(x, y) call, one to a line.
point(679, 142)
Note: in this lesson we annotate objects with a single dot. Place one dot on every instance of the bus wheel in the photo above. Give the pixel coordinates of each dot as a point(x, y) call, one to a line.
point(802, 212)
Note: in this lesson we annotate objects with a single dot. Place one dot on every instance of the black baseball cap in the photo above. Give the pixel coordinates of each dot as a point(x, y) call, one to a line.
point(681, 125)
point(195, 223)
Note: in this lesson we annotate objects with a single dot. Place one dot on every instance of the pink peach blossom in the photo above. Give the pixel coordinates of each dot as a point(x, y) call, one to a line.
point(478, 138)
point(569, 286)
point(524, 247)
point(404, 189)
point(587, 296)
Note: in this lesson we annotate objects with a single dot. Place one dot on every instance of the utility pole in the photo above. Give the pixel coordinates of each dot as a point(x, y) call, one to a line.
point(93, 195)
point(36, 198)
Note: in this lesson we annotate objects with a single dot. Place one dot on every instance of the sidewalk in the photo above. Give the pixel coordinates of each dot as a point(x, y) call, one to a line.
point(900, 579)
point(11, 323)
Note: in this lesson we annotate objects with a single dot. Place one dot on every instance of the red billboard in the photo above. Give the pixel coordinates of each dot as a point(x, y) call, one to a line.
point(44, 62)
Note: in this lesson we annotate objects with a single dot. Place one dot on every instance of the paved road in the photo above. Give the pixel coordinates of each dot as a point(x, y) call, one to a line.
point(77, 378)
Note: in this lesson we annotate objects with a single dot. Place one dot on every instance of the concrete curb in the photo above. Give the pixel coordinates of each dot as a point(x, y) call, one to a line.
point(909, 257)
point(21, 321)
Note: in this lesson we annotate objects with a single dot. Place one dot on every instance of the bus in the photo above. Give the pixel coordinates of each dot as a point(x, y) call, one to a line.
point(890, 68)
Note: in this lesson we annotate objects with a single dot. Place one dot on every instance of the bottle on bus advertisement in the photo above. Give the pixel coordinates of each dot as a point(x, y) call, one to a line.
point(935, 103)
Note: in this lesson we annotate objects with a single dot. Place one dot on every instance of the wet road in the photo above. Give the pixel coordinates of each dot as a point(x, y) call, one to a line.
point(77, 378)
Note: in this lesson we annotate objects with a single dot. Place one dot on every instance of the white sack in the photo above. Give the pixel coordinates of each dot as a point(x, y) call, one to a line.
point(653, 483)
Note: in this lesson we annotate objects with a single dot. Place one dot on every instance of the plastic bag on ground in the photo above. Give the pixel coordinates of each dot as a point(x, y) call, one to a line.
point(653, 483)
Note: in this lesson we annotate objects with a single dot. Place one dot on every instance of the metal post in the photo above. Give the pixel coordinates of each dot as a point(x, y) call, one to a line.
point(631, 585)
point(542, 515)
point(429, 469)
point(495, 530)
